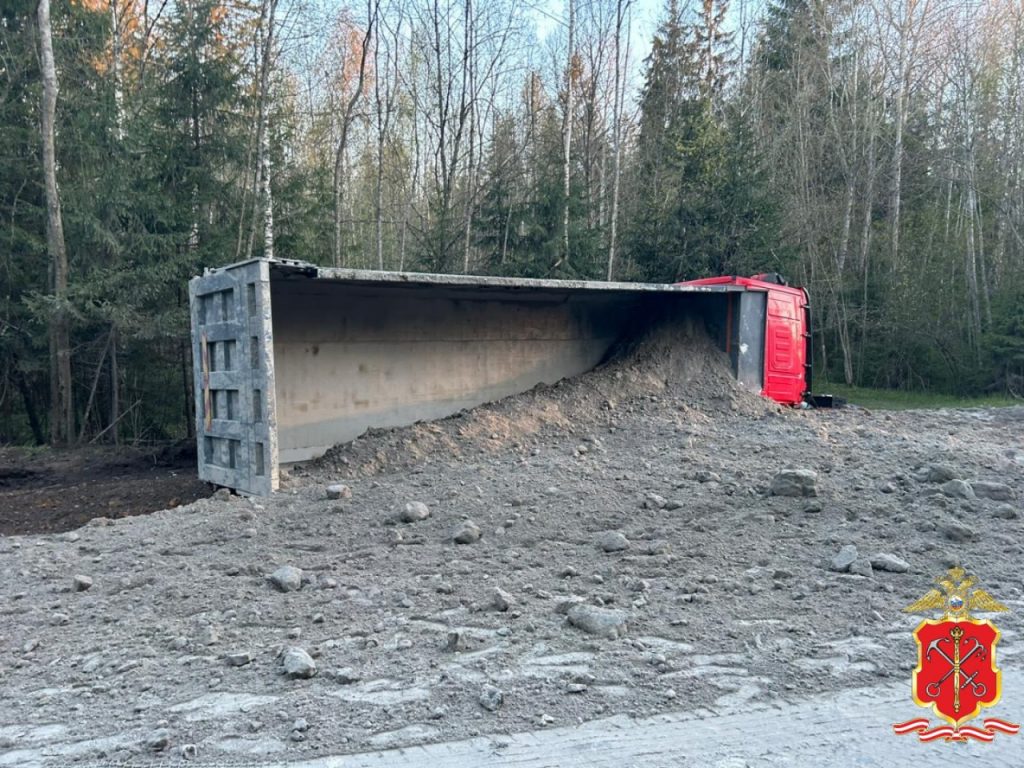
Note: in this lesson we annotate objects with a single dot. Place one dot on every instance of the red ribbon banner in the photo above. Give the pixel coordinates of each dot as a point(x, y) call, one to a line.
point(990, 727)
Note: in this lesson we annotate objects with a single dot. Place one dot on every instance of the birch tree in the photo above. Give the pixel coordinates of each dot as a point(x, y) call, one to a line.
point(62, 424)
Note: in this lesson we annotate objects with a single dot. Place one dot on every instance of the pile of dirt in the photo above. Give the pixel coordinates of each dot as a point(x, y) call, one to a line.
point(674, 360)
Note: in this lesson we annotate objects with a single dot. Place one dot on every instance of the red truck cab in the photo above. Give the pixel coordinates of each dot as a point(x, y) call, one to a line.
point(767, 334)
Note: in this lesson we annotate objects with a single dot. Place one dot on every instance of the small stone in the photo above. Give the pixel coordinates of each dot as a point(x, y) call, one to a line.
point(842, 561)
point(159, 740)
point(298, 664)
point(604, 622)
point(993, 491)
point(297, 736)
point(338, 491)
point(467, 533)
point(795, 482)
point(1006, 512)
point(576, 688)
point(658, 547)
point(188, 751)
point(884, 561)
point(491, 698)
point(861, 567)
point(939, 473)
point(81, 583)
point(613, 541)
point(654, 501)
point(300, 725)
point(414, 512)
point(287, 578)
point(957, 532)
point(457, 640)
point(345, 676)
point(888, 487)
point(500, 600)
point(209, 635)
point(957, 489)
point(568, 572)
point(238, 659)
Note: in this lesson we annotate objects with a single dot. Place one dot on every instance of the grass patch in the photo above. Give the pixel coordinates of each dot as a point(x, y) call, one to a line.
point(899, 400)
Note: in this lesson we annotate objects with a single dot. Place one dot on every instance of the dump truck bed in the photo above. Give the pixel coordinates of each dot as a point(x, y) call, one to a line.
point(291, 358)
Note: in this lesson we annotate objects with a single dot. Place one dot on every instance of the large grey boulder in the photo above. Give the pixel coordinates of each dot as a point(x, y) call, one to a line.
point(994, 491)
point(795, 482)
point(603, 622)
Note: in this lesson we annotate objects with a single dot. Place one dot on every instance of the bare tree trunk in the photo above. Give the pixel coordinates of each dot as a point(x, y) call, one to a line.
point(115, 383)
point(372, 8)
point(115, 69)
point(262, 204)
point(621, 7)
point(567, 131)
point(62, 414)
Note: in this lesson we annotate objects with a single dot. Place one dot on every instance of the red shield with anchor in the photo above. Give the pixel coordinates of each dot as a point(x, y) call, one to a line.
point(956, 670)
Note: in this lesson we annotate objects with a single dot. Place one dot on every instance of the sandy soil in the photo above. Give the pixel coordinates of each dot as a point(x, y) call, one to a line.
point(717, 595)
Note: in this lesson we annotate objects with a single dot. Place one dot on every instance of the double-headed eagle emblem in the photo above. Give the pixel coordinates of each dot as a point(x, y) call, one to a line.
point(960, 598)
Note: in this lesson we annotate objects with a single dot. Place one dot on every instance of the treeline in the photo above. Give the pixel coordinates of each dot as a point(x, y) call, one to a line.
point(870, 150)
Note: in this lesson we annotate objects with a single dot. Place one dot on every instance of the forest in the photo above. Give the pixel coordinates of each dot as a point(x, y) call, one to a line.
point(870, 150)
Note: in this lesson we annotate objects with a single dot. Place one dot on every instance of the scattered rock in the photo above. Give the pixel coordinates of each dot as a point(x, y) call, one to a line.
point(939, 473)
point(613, 541)
point(884, 561)
point(500, 600)
point(491, 698)
point(576, 688)
point(81, 583)
point(795, 482)
point(188, 751)
point(1006, 512)
point(209, 635)
point(468, 532)
point(415, 511)
point(298, 664)
point(300, 725)
point(338, 491)
point(344, 676)
point(287, 578)
point(457, 640)
point(604, 622)
point(658, 547)
point(993, 491)
point(845, 558)
point(861, 567)
point(654, 501)
point(957, 532)
point(159, 740)
point(238, 659)
point(957, 489)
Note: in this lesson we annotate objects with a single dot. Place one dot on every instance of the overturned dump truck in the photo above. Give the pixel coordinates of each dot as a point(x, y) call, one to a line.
point(291, 359)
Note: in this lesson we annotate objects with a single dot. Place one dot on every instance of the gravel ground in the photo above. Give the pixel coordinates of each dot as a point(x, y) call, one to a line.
point(628, 552)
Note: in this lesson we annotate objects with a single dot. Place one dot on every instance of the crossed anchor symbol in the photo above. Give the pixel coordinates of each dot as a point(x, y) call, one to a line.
point(956, 663)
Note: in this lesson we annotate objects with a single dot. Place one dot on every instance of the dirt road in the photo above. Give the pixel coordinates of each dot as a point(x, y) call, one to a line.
point(632, 564)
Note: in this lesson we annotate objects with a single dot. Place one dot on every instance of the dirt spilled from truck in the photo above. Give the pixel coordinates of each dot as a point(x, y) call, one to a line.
point(674, 361)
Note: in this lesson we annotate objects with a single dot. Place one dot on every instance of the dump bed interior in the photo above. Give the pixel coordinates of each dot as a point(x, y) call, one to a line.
point(333, 352)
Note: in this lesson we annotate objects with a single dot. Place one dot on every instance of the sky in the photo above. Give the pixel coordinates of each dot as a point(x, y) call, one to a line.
point(549, 14)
